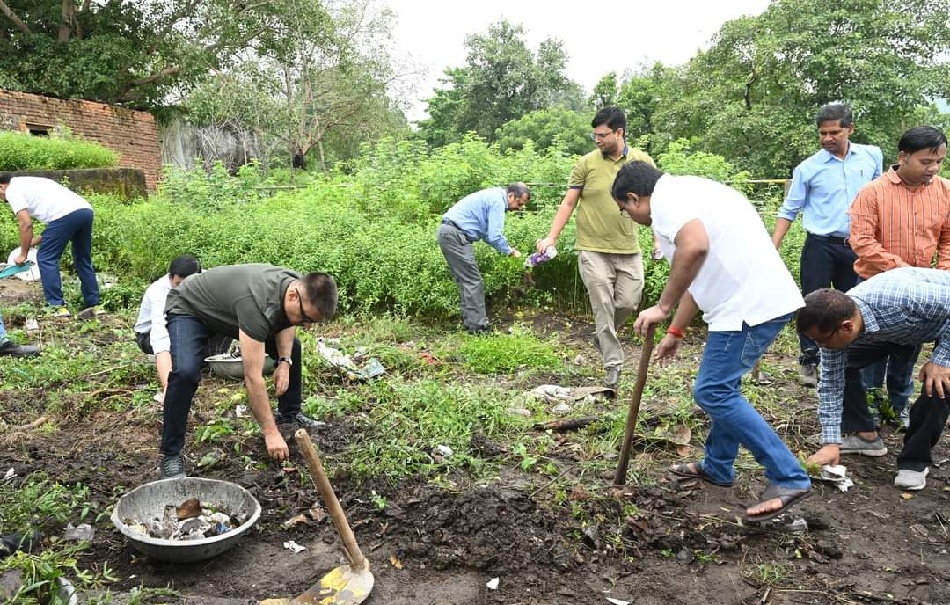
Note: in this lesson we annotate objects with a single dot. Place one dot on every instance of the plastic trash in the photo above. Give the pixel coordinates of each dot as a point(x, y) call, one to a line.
point(541, 257)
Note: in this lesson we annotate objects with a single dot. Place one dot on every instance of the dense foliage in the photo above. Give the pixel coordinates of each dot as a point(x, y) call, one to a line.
point(23, 152)
point(373, 226)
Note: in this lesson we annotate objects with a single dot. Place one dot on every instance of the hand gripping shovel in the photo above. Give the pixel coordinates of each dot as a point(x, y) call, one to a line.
point(645, 354)
point(347, 584)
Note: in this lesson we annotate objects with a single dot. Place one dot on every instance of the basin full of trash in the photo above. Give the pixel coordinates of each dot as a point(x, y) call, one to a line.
point(187, 519)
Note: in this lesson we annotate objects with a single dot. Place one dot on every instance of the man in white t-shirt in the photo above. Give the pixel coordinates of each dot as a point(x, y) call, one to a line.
point(722, 262)
point(151, 331)
point(68, 218)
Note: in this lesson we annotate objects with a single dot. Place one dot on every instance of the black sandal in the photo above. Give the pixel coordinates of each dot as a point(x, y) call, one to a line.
point(695, 470)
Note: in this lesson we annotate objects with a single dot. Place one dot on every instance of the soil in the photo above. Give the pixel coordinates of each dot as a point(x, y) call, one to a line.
point(655, 541)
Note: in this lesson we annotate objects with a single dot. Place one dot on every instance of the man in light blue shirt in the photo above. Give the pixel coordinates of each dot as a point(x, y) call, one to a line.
point(896, 310)
point(823, 187)
point(477, 216)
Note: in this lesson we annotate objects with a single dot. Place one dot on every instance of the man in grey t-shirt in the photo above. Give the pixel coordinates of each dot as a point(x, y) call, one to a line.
point(260, 305)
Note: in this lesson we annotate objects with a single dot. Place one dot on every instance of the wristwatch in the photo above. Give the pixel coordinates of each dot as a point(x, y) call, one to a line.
point(289, 361)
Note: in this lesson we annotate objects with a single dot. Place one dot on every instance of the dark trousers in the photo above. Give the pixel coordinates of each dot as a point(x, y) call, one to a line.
point(927, 416)
point(825, 263)
point(189, 340)
point(75, 227)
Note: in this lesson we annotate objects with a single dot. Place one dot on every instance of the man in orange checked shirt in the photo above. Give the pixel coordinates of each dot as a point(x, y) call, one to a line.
point(901, 219)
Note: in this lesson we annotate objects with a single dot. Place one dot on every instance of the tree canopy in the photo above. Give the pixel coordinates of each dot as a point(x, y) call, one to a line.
point(501, 81)
point(136, 52)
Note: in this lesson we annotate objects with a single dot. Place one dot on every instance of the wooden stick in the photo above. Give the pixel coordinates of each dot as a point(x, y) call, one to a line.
point(645, 354)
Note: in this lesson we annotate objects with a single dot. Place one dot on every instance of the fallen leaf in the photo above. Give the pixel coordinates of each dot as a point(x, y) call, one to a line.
point(683, 451)
point(395, 562)
point(907, 496)
point(317, 513)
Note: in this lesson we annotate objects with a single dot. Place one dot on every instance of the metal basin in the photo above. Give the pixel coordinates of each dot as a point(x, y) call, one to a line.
point(148, 502)
point(226, 366)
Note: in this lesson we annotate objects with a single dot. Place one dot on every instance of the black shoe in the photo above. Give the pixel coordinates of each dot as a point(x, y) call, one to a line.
point(172, 467)
point(7, 347)
point(478, 330)
point(298, 418)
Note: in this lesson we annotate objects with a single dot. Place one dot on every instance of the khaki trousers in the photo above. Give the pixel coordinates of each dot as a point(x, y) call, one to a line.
point(614, 284)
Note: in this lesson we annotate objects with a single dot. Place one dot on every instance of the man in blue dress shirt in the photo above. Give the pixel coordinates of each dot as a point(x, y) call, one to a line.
point(477, 216)
point(893, 311)
point(823, 187)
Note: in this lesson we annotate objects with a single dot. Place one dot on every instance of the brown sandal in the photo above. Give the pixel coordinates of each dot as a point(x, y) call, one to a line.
point(695, 470)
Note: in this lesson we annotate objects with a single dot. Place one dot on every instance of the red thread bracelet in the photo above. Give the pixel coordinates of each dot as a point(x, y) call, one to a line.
point(674, 331)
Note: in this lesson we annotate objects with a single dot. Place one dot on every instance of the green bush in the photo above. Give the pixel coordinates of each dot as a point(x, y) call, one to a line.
point(370, 226)
point(20, 151)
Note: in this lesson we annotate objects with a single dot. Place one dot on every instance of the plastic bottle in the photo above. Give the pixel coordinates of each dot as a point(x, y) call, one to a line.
point(541, 257)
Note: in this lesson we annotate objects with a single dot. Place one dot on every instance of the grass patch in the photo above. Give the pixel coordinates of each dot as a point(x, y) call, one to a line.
point(497, 353)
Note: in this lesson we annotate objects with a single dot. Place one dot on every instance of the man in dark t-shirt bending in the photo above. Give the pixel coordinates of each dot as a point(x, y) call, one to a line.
point(260, 305)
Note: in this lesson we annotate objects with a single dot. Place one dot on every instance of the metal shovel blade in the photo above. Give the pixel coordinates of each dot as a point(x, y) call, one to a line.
point(342, 586)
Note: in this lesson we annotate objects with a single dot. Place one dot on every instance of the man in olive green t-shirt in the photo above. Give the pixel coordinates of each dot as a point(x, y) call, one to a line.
point(608, 247)
point(261, 306)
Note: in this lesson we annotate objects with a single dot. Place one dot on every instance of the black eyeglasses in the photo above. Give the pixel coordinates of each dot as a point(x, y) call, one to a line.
point(307, 320)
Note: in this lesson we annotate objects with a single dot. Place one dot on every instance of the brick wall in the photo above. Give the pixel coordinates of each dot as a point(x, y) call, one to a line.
point(133, 134)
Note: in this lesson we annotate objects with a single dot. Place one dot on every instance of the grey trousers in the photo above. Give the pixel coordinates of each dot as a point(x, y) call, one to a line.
point(460, 255)
point(614, 284)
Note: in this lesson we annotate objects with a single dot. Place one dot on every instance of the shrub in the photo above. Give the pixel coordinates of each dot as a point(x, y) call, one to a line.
point(20, 151)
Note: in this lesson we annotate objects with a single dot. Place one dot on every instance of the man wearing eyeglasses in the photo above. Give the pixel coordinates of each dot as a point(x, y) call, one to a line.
point(608, 247)
point(260, 305)
point(477, 216)
point(894, 311)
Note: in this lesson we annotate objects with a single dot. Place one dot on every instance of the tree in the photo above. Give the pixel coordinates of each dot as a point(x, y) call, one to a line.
point(753, 95)
point(502, 81)
point(560, 128)
point(310, 93)
point(137, 52)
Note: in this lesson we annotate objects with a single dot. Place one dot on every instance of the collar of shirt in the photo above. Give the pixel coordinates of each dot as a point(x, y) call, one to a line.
point(867, 318)
point(626, 149)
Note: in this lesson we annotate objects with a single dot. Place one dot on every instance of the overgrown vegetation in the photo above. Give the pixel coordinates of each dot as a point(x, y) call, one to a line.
point(57, 152)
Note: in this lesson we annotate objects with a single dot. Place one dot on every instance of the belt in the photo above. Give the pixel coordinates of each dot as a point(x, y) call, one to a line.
point(452, 224)
point(831, 239)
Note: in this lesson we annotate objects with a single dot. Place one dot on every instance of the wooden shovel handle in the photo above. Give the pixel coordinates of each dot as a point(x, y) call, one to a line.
point(353, 552)
point(633, 413)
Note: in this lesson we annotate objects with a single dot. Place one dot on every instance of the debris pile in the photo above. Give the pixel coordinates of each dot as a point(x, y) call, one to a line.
point(188, 521)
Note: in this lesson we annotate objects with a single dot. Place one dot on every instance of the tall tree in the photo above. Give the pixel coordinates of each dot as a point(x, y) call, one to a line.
point(502, 80)
point(753, 95)
point(311, 92)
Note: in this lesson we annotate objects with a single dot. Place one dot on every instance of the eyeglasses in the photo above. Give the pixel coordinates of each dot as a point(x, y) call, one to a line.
point(596, 136)
point(307, 320)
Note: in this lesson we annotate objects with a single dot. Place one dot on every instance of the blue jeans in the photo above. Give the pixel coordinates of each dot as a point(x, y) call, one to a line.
point(75, 227)
point(188, 340)
point(898, 367)
point(727, 357)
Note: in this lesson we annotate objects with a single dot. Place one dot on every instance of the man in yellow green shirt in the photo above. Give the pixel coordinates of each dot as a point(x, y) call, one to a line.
point(608, 248)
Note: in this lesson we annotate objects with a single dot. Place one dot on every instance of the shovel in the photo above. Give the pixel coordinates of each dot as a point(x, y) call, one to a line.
point(347, 584)
point(645, 354)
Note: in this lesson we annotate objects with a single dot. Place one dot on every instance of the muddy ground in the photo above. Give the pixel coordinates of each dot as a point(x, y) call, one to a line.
point(656, 541)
